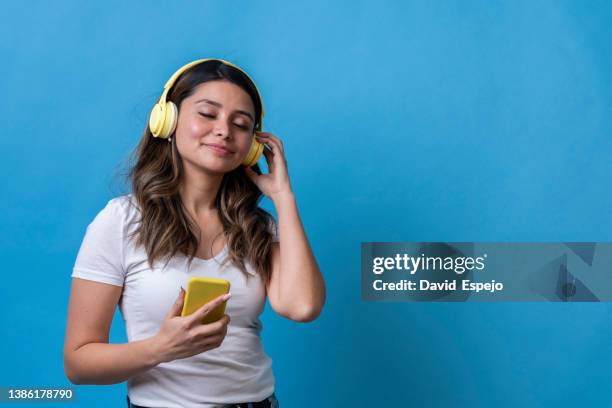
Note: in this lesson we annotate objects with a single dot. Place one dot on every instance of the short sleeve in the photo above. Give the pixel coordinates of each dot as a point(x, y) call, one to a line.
point(100, 256)
point(273, 225)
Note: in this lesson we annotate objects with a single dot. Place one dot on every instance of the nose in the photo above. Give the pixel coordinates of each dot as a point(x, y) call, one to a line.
point(222, 129)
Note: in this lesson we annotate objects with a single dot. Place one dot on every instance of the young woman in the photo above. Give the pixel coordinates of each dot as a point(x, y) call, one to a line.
point(193, 211)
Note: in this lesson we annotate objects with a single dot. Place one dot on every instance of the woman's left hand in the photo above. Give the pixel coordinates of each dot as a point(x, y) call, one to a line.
point(276, 182)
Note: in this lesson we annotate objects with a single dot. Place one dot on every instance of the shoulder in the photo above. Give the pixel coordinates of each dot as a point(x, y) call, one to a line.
point(101, 254)
point(117, 218)
point(125, 204)
point(121, 208)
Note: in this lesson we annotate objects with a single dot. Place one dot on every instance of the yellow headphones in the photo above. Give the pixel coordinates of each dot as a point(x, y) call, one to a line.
point(164, 114)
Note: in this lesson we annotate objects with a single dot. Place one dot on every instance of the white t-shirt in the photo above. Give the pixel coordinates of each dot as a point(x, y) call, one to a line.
point(237, 371)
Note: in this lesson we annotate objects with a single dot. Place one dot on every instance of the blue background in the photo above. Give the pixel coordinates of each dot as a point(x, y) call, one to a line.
point(402, 121)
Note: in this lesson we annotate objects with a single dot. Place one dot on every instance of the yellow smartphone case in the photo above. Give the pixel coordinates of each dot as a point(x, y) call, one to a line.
point(201, 290)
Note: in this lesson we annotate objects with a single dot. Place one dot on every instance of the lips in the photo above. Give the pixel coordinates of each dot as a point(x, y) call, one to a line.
point(219, 148)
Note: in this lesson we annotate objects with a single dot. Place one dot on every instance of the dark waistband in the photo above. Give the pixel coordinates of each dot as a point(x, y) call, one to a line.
point(266, 403)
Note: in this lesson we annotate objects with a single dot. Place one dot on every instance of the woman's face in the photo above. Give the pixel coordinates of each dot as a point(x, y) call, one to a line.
point(215, 127)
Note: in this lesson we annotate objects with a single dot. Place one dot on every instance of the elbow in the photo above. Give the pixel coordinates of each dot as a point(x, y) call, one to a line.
point(305, 313)
point(74, 380)
point(303, 310)
point(308, 311)
point(71, 373)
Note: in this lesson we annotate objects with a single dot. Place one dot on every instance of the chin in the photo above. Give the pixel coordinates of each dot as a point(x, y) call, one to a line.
point(218, 166)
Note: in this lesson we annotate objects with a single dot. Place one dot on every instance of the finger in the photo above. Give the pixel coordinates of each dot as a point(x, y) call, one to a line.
point(278, 141)
point(210, 343)
point(273, 145)
point(199, 314)
point(277, 151)
point(269, 135)
point(279, 156)
point(217, 340)
point(211, 329)
point(218, 336)
point(251, 174)
point(269, 158)
point(177, 306)
point(261, 137)
point(271, 139)
point(263, 134)
point(265, 138)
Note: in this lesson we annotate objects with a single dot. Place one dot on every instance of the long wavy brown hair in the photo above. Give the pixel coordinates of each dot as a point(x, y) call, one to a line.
point(165, 228)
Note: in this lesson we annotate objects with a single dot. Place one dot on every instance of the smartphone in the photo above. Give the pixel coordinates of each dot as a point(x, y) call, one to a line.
point(201, 290)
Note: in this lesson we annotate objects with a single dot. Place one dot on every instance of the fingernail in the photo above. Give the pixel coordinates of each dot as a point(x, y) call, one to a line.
point(229, 295)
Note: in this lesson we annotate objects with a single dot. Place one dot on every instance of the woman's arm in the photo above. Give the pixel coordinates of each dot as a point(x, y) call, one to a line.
point(296, 288)
point(88, 358)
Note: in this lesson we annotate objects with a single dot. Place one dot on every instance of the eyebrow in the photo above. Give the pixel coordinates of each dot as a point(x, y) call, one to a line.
point(220, 106)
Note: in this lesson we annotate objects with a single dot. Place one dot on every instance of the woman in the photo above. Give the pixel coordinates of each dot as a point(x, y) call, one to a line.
point(193, 211)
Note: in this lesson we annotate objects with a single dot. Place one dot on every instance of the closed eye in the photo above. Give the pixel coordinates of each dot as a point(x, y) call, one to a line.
point(213, 116)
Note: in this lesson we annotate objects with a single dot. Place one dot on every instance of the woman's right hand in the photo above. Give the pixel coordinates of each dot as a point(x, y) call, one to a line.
point(181, 337)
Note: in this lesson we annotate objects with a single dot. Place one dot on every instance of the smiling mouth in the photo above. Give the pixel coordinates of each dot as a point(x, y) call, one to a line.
point(219, 150)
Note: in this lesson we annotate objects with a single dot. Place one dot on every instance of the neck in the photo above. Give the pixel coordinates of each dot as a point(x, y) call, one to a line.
point(198, 191)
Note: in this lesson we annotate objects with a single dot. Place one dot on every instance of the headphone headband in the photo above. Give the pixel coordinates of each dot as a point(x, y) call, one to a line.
point(185, 67)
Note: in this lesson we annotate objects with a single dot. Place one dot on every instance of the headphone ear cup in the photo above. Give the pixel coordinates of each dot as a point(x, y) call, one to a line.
point(162, 120)
point(171, 117)
point(255, 152)
point(156, 119)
